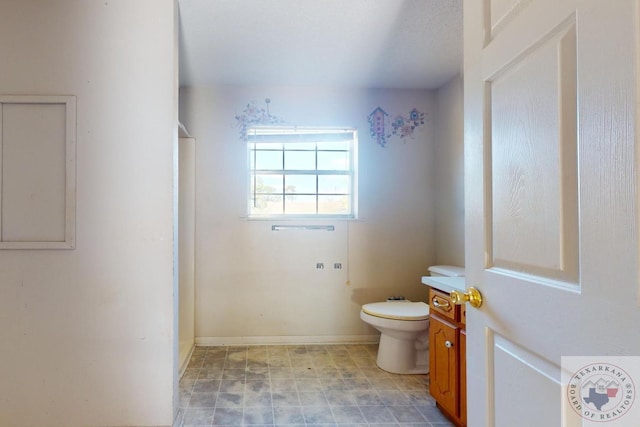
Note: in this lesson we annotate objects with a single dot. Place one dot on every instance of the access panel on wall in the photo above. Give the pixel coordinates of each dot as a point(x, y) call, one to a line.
point(37, 172)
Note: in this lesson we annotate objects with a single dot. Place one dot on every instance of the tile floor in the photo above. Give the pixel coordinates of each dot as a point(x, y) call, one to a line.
point(297, 386)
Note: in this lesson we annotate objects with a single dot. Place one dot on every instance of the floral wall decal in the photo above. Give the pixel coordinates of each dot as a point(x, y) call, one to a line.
point(401, 126)
point(253, 115)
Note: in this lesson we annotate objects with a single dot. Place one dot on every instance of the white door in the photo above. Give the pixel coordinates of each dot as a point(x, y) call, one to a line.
point(551, 198)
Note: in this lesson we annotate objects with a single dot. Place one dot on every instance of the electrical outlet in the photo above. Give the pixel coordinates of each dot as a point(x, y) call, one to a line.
point(320, 265)
point(337, 266)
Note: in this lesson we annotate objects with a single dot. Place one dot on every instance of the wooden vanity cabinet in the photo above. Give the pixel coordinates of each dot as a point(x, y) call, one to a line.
point(463, 377)
point(447, 356)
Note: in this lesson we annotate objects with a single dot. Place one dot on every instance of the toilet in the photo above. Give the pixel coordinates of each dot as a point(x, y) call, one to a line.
point(404, 330)
point(404, 335)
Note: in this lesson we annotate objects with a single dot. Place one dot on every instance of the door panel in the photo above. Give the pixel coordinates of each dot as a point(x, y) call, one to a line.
point(501, 13)
point(532, 109)
point(550, 194)
point(513, 367)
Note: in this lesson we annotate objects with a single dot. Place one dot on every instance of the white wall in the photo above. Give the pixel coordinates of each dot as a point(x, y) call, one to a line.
point(449, 174)
point(187, 216)
point(256, 285)
point(87, 334)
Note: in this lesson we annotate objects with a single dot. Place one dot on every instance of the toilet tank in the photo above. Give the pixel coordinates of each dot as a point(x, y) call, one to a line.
point(446, 271)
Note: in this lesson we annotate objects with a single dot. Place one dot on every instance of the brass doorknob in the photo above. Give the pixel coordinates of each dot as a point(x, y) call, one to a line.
point(471, 295)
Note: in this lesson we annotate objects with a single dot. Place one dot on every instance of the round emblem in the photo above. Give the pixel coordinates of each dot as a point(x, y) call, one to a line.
point(601, 392)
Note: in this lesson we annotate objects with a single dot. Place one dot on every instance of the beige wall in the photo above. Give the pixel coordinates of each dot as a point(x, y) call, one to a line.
point(449, 174)
point(87, 334)
point(256, 285)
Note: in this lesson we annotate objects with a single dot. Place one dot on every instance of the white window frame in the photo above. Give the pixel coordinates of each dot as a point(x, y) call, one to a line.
point(264, 135)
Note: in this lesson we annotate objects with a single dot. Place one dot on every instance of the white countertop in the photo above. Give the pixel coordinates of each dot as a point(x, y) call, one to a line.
point(445, 284)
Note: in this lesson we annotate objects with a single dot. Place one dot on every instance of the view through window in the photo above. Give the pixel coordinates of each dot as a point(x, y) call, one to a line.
point(305, 172)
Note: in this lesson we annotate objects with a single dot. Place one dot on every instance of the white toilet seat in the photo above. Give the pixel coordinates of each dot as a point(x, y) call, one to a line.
point(398, 310)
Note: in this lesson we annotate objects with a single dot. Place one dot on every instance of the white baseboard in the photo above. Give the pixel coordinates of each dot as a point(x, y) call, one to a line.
point(288, 340)
point(185, 362)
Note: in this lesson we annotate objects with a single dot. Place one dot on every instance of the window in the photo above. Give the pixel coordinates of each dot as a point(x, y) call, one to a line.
point(299, 173)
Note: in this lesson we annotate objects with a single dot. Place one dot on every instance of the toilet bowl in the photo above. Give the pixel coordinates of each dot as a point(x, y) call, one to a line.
point(404, 335)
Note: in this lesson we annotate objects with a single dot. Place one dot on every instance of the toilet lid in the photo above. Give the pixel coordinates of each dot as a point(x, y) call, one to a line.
point(398, 310)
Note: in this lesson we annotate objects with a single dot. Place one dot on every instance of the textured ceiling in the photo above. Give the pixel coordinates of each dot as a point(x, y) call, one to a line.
point(356, 43)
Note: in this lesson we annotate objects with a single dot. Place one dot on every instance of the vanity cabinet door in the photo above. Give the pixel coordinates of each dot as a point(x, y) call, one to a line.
point(463, 376)
point(443, 361)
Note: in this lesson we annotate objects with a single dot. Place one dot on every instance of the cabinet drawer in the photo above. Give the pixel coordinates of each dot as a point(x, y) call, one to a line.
point(439, 302)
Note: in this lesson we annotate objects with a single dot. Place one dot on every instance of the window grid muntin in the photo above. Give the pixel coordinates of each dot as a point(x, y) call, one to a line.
point(256, 147)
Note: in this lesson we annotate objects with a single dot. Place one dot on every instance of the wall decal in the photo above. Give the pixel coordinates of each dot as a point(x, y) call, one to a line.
point(401, 126)
point(253, 115)
point(376, 126)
